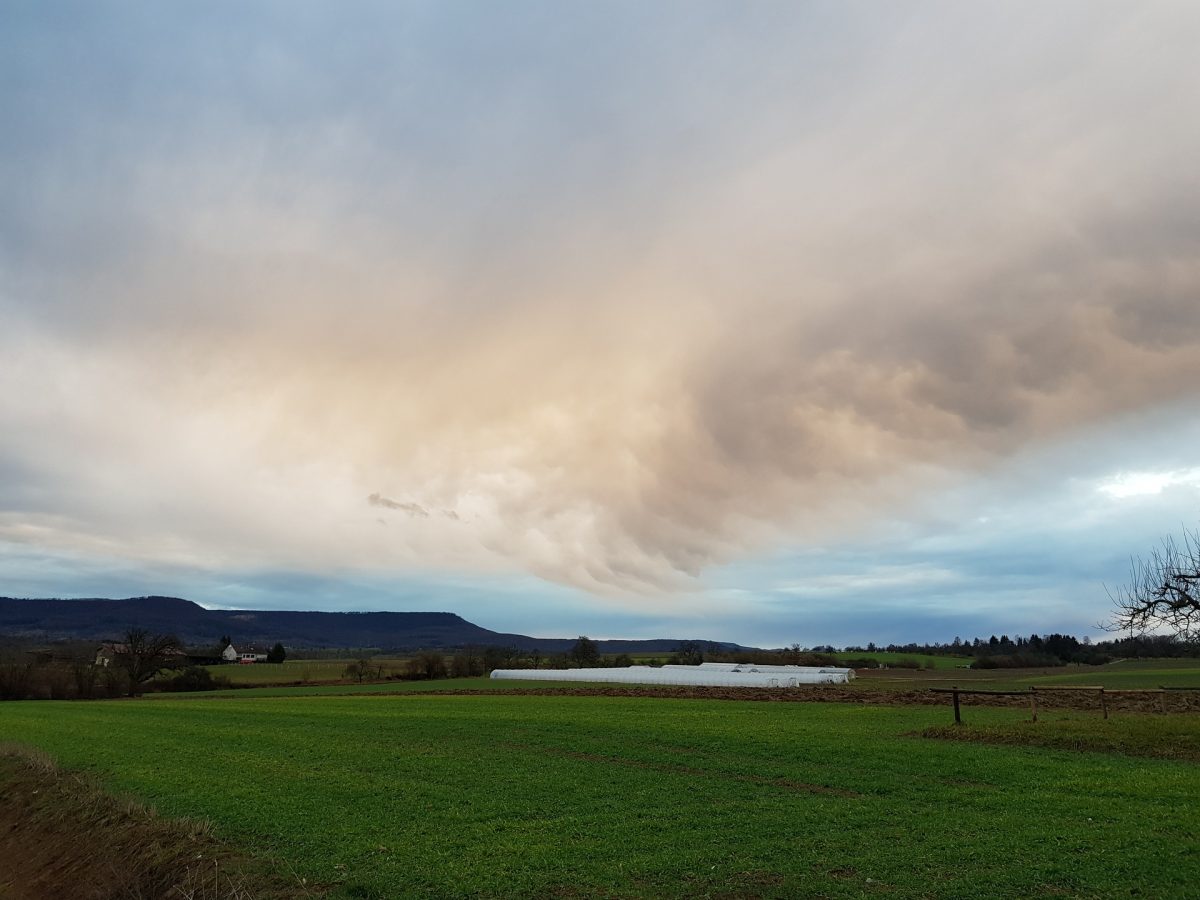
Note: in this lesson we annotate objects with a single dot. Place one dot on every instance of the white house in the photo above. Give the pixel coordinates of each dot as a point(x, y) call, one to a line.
point(229, 654)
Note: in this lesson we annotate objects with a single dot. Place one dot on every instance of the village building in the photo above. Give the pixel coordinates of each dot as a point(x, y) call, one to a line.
point(250, 655)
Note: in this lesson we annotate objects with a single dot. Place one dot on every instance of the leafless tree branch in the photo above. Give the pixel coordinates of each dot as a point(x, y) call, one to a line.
point(1163, 592)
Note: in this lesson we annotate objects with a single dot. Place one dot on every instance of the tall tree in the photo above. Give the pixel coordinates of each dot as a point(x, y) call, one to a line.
point(276, 654)
point(143, 655)
point(585, 652)
point(689, 653)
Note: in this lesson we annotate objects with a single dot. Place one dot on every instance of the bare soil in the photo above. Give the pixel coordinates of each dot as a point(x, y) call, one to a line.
point(1175, 701)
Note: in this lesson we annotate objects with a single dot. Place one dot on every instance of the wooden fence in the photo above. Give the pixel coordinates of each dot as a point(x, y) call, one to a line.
point(1032, 693)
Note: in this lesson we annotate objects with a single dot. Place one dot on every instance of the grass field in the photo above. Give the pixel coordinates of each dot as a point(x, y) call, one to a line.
point(926, 661)
point(494, 795)
point(1149, 673)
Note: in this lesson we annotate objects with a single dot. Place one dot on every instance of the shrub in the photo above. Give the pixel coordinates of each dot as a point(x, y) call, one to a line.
point(814, 659)
point(86, 678)
point(1092, 659)
point(58, 682)
point(14, 681)
point(466, 664)
point(426, 666)
point(114, 681)
point(1016, 661)
point(193, 678)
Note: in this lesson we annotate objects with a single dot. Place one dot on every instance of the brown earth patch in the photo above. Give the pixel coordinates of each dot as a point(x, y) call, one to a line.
point(1180, 748)
point(786, 783)
point(62, 838)
point(1181, 701)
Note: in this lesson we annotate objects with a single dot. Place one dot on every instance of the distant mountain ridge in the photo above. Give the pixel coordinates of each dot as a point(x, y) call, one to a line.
point(103, 619)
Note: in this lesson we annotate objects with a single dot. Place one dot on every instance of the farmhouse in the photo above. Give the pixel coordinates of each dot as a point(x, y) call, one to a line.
point(251, 655)
point(107, 652)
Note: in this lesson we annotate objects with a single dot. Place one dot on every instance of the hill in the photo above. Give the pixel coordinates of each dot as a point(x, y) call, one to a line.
point(103, 619)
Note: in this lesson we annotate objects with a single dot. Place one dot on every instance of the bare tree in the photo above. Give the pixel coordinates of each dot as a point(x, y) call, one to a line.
point(144, 655)
point(1163, 593)
point(362, 669)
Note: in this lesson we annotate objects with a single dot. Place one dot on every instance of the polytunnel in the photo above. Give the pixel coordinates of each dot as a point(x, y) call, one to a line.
point(675, 675)
point(762, 667)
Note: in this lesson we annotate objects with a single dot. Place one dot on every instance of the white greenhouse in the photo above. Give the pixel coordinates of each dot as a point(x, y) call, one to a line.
point(762, 667)
point(708, 675)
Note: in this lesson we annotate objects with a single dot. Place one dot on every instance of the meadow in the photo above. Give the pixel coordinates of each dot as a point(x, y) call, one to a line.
point(925, 660)
point(498, 795)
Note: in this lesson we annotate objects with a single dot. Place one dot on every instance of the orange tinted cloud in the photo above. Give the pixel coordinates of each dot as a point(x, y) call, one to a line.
point(624, 336)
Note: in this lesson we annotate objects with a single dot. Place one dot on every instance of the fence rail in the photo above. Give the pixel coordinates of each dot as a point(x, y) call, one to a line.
point(1033, 691)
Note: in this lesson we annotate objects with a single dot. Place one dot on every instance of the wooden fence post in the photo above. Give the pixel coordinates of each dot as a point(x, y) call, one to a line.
point(1033, 701)
point(957, 715)
point(1162, 702)
point(1103, 703)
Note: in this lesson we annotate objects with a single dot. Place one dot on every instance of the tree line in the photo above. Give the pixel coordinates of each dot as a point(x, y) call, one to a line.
point(75, 671)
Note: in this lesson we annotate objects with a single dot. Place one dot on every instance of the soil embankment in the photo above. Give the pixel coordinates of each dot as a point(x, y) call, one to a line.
point(62, 837)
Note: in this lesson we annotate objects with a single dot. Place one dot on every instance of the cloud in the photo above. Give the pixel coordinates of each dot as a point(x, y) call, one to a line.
point(1134, 484)
point(711, 285)
point(413, 509)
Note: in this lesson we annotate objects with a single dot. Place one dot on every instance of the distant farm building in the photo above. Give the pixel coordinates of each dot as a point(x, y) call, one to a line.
point(108, 652)
point(251, 655)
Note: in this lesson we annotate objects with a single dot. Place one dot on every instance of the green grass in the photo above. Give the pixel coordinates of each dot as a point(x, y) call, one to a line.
point(1148, 673)
point(927, 661)
point(494, 795)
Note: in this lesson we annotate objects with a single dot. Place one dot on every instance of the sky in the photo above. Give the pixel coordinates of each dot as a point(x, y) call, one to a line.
point(795, 322)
